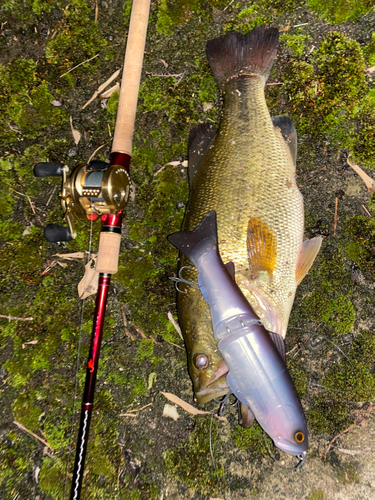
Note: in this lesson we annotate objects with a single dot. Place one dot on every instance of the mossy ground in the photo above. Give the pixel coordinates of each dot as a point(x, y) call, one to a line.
point(321, 83)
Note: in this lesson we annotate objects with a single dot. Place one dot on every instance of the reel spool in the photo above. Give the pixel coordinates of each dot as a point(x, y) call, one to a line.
point(91, 191)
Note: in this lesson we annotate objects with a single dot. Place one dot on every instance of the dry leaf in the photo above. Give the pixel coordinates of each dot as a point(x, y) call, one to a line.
point(188, 407)
point(111, 91)
point(370, 183)
point(171, 412)
point(76, 133)
point(89, 283)
point(370, 70)
point(151, 380)
point(102, 87)
point(175, 324)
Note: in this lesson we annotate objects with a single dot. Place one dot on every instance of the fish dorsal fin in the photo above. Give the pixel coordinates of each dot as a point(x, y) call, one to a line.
point(309, 251)
point(261, 247)
point(288, 131)
point(279, 343)
point(199, 140)
point(231, 269)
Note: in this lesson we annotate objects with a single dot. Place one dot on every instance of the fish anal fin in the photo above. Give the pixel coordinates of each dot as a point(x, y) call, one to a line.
point(261, 247)
point(231, 269)
point(289, 133)
point(199, 140)
point(246, 416)
point(309, 251)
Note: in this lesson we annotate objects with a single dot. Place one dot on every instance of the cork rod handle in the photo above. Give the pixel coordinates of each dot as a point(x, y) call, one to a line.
point(131, 77)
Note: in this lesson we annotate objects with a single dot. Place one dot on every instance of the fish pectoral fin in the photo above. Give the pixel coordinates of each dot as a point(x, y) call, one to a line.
point(279, 343)
point(231, 269)
point(288, 131)
point(309, 251)
point(261, 247)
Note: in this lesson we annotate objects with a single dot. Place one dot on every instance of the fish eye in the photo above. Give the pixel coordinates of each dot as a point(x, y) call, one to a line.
point(299, 437)
point(201, 361)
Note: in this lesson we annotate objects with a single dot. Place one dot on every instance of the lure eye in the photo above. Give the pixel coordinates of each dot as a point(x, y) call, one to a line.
point(299, 437)
point(201, 361)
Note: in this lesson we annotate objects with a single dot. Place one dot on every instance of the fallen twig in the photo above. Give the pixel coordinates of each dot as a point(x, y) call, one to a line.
point(78, 65)
point(23, 428)
point(102, 87)
point(335, 221)
point(341, 434)
point(139, 409)
point(356, 452)
point(126, 324)
point(97, 149)
point(14, 318)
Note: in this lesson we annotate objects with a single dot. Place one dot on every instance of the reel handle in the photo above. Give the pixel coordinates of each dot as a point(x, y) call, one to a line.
point(46, 169)
point(55, 233)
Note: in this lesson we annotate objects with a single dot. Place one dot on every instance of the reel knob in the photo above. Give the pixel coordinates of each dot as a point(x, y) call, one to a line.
point(55, 233)
point(45, 169)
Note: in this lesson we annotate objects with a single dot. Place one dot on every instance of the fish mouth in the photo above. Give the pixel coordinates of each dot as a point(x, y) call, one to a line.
point(216, 387)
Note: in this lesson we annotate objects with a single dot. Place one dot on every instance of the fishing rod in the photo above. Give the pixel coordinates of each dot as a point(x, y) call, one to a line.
point(102, 189)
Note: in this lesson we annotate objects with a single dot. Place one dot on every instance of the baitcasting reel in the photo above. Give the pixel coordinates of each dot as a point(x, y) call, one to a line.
point(91, 191)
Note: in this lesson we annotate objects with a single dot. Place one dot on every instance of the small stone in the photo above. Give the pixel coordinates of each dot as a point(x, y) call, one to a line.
point(72, 152)
point(56, 103)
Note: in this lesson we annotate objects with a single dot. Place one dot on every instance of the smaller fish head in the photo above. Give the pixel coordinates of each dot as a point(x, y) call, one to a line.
point(208, 371)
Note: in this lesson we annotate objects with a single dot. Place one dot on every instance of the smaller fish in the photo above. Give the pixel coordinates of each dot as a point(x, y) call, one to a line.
point(255, 358)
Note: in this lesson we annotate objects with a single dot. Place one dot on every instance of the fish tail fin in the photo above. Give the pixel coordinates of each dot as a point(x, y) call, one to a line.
point(234, 54)
point(194, 243)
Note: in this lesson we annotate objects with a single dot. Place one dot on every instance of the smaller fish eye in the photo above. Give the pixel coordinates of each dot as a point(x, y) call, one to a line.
point(299, 437)
point(201, 361)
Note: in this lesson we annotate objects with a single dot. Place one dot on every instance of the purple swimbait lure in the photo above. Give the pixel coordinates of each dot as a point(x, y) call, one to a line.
point(258, 375)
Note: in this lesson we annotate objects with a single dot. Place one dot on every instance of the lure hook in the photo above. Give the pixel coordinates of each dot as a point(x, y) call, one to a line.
point(180, 279)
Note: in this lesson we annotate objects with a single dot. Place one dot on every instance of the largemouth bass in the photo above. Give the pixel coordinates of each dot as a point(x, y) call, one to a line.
point(257, 375)
point(246, 173)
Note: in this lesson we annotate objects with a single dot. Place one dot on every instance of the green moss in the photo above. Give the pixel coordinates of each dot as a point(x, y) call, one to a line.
point(328, 417)
point(316, 495)
point(348, 475)
point(340, 11)
point(190, 462)
point(299, 379)
point(331, 96)
point(336, 312)
point(26, 411)
point(247, 19)
point(172, 14)
point(78, 40)
point(296, 43)
point(369, 51)
point(145, 350)
point(252, 439)
point(25, 9)
point(361, 229)
point(26, 101)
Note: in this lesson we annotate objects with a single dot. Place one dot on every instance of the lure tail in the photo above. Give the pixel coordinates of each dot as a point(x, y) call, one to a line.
point(234, 55)
point(195, 243)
